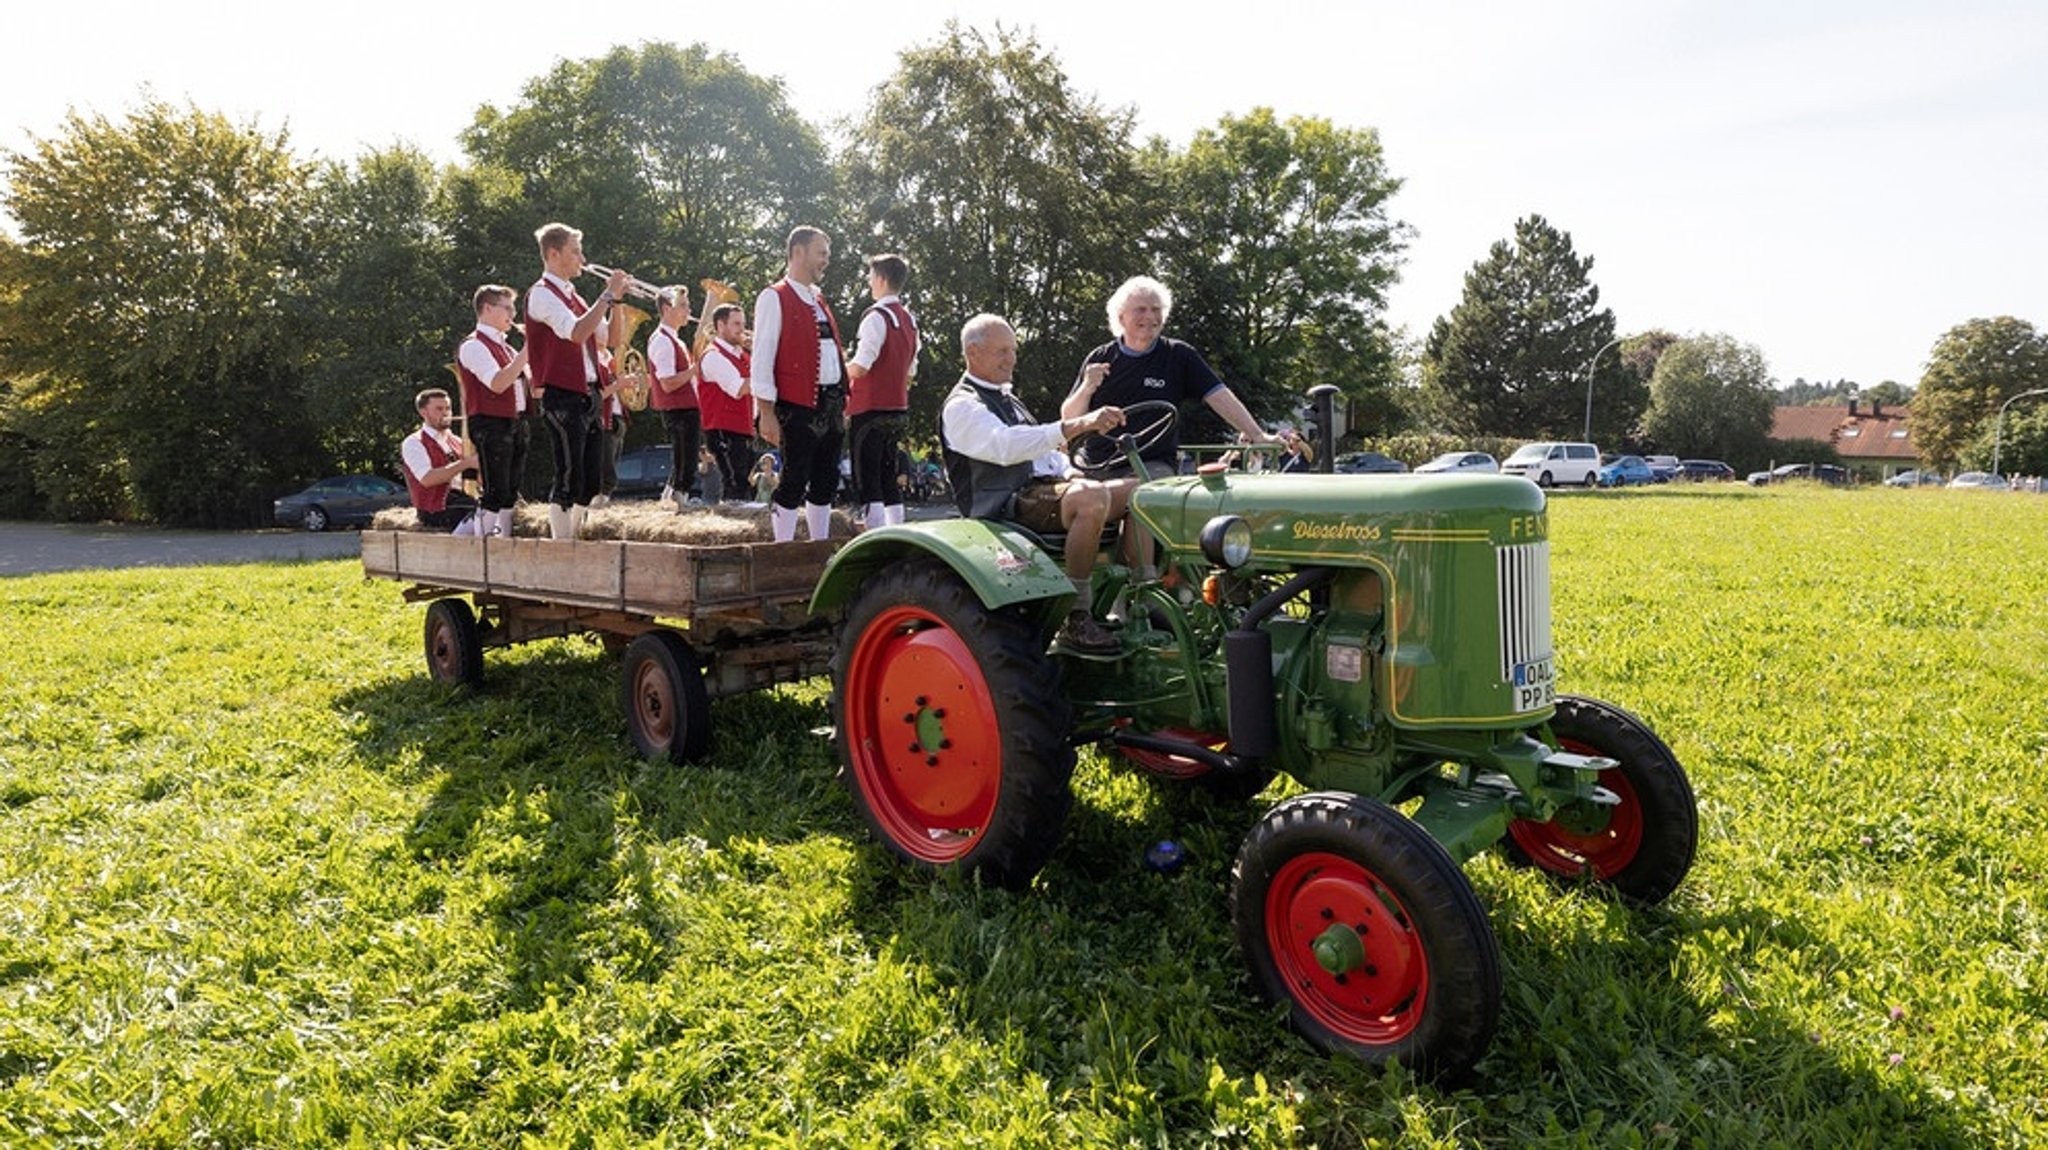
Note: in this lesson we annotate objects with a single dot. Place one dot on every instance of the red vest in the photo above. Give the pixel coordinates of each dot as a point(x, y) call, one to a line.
point(477, 396)
point(426, 498)
point(722, 412)
point(796, 349)
point(887, 384)
point(555, 361)
point(683, 398)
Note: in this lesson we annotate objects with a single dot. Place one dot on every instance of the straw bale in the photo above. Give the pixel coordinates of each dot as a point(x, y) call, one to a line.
point(648, 521)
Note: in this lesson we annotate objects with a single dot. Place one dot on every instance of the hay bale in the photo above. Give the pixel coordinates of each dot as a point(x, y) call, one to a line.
point(645, 522)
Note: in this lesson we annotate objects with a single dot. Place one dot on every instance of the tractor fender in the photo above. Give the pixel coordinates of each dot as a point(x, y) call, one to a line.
point(1002, 565)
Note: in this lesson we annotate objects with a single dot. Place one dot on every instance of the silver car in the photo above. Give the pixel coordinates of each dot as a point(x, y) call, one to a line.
point(1474, 462)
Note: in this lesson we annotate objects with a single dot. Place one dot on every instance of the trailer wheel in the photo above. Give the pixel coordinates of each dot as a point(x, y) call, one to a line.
point(1642, 847)
point(455, 652)
point(1358, 920)
point(661, 690)
point(952, 725)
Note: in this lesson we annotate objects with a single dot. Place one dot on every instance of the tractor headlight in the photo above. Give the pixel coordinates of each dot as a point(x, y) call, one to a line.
point(1227, 541)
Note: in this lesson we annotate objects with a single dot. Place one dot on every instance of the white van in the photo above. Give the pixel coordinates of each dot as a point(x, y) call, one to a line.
point(1550, 464)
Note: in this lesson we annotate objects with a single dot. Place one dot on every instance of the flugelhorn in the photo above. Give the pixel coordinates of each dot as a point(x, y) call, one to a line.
point(634, 284)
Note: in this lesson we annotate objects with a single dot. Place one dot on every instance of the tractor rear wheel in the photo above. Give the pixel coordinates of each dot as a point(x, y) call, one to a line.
point(1358, 920)
point(952, 725)
point(1641, 847)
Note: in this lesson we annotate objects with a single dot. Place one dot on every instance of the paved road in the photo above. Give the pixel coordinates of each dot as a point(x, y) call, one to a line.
point(27, 548)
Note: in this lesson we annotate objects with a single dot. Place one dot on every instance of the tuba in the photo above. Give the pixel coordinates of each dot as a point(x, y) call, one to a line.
point(716, 292)
point(631, 368)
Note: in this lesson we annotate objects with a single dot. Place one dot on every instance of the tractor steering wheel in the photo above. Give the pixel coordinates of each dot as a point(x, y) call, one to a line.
point(1146, 423)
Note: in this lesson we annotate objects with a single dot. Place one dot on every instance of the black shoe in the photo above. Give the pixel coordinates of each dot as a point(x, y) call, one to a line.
point(1083, 635)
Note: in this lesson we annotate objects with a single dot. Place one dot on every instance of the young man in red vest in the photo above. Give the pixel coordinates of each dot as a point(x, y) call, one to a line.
point(673, 392)
point(433, 459)
point(727, 402)
point(563, 335)
point(494, 398)
point(799, 386)
point(878, 391)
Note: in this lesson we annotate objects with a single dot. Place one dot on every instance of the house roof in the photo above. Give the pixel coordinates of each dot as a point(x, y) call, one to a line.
point(1853, 429)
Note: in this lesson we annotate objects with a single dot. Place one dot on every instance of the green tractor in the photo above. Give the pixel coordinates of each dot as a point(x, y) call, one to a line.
point(1382, 640)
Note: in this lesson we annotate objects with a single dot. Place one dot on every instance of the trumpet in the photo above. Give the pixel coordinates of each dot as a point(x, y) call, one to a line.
point(634, 284)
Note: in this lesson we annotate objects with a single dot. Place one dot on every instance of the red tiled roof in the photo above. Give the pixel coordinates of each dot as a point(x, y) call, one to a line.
point(1884, 436)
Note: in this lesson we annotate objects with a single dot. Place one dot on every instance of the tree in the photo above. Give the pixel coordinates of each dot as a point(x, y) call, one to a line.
point(1008, 192)
point(1710, 397)
point(1512, 357)
point(677, 162)
point(1276, 241)
point(157, 275)
point(1974, 367)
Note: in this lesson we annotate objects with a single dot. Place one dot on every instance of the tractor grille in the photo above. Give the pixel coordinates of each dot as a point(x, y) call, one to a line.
point(1524, 606)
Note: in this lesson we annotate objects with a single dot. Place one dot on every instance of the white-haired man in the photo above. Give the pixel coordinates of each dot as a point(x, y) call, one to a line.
point(1014, 469)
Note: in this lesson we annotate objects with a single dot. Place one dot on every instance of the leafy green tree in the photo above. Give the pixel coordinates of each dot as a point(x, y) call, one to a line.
point(382, 313)
point(1279, 249)
point(677, 163)
point(1974, 367)
point(1008, 192)
point(1889, 393)
point(1710, 397)
point(157, 279)
point(1513, 356)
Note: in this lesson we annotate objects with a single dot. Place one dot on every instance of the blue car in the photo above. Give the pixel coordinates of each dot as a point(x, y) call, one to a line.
point(1626, 470)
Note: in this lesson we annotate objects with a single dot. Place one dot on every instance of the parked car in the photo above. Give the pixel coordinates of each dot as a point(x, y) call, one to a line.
point(342, 501)
point(1367, 463)
point(1705, 470)
point(1663, 468)
point(1553, 463)
point(1826, 473)
point(1916, 477)
point(1467, 461)
point(1982, 481)
point(1626, 471)
point(643, 472)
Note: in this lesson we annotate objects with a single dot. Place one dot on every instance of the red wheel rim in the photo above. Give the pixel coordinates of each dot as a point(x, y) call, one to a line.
point(1602, 851)
point(1382, 999)
point(1175, 766)
point(654, 703)
point(922, 733)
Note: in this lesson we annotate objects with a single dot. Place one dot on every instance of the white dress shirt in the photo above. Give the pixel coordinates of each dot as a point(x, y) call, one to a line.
point(974, 431)
point(477, 359)
point(720, 370)
point(768, 335)
point(548, 308)
point(415, 454)
point(661, 360)
point(874, 330)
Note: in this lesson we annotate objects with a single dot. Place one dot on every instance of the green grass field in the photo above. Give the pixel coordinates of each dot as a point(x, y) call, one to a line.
point(262, 884)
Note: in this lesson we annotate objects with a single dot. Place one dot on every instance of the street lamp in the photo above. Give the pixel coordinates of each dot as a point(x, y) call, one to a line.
point(1587, 434)
point(1998, 433)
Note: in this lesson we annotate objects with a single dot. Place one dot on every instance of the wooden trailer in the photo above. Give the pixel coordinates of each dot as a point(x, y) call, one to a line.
point(696, 622)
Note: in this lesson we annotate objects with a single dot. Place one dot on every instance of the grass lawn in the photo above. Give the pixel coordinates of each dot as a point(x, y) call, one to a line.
point(263, 884)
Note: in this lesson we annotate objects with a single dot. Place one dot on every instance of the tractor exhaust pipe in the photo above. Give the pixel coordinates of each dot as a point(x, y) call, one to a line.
point(1323, 397)
point(1248, 669)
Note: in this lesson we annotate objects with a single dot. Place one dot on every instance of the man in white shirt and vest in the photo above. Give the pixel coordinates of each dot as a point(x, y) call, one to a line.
point(494, 401)
point(1007, 467)
point(727, 402)
point(878, 391)
point(799, 387)
point(673, 392)
point(434, 458)
point(562, 337)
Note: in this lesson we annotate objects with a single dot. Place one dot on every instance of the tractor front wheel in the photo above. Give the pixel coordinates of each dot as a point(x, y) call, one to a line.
point(1360, 922)
point(1641, 846)
point(952, 726)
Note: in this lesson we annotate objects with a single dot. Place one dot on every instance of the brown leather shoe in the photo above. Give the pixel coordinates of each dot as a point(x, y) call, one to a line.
point(1083, 635)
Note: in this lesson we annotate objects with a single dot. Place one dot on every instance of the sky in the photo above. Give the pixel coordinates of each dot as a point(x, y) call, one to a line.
point(1837, 183)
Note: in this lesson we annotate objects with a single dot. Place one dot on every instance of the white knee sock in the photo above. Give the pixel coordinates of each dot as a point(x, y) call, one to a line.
point(818, 516)
point(560, 525)
point(577, 515)
point(892, 513)
point(875, 516)
point(782, 522)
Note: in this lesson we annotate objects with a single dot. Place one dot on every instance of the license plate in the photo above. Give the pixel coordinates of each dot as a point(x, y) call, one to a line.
point(1535, 685)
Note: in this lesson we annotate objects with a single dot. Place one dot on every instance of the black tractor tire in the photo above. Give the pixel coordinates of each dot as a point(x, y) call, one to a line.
point(1426, 988)
point(661, 691)
point(952, 726)
point(455, 650)
point(1640, 849)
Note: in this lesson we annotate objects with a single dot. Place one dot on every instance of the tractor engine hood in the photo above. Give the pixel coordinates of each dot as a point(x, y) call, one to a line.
point(1343, 519)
